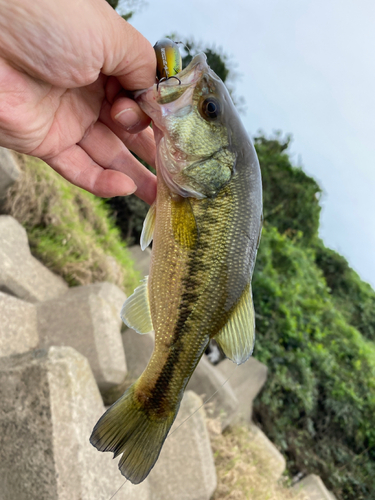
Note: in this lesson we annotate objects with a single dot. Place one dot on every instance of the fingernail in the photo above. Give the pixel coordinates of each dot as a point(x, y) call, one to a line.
point(131, 190)
point(127, 118)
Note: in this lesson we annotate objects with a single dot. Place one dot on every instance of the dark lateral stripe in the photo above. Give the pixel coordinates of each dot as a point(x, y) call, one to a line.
point(188, 300)
point(207, 220)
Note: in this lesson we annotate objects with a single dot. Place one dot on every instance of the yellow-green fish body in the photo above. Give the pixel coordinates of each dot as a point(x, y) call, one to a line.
point(205, 225)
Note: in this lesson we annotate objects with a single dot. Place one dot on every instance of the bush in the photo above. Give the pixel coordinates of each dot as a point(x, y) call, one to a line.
point(319, 403)
point(69, 230)
point(290, 197)
point(353, 297)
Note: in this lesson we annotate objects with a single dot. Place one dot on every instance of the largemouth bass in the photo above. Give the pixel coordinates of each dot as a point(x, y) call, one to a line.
point(205, 226)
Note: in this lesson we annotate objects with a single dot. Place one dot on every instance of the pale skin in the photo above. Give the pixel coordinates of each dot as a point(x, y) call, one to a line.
point(65, 67)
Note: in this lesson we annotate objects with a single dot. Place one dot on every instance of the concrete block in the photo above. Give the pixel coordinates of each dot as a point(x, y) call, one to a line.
point(313, 488)
point(142, 259)
point(138, 350)
point(21, 274)
point(246, 380)
point(18, 326)
point(206, 381)
point(87, 318)
point(331, 495)
point(185, 469)
point(9, 172)
point(275, 460)
point(49, 402)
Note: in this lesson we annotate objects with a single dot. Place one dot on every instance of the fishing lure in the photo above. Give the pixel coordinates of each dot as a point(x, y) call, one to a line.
point(168, 57)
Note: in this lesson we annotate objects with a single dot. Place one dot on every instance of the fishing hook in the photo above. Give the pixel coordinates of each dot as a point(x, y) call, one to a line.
point(164, 79)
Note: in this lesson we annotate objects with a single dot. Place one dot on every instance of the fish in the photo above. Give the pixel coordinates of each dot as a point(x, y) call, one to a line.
point(205, 226)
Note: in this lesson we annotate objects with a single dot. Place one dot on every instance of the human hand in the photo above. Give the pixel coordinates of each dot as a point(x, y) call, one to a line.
point(63, 67)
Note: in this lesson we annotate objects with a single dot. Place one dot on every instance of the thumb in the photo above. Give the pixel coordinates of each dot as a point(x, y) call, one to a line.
point(128, 55)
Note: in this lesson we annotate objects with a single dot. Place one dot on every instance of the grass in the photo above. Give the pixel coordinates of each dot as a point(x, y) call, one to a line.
point(243, 469)
point(70, 230)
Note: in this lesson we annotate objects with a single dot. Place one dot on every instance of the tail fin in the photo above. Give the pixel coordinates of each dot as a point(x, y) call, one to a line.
point(126, 428)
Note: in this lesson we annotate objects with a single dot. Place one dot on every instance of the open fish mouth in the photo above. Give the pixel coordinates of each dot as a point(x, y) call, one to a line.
point(171, 90)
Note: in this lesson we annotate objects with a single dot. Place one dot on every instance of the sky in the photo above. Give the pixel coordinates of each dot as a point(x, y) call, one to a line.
point(306, 68)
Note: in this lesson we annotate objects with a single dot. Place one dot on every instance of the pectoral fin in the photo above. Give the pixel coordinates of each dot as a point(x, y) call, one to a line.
point(237, 337)
point(184, 226)
point(148, 227)
point(135, 312)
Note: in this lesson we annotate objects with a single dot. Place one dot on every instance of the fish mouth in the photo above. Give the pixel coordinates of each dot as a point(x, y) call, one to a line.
point(172, 89)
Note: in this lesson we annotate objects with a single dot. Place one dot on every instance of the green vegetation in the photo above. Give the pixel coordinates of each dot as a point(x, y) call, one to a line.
point(69, 229)
point(354, 298)
point(318, 405)
point(290, 197)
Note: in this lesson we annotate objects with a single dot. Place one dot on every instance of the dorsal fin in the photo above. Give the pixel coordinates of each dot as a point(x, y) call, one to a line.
point(237, 337)
point(135, 312)
point(148, 227)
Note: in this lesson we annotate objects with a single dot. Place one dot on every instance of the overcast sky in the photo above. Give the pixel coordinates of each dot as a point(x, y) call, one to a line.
point(307, 68)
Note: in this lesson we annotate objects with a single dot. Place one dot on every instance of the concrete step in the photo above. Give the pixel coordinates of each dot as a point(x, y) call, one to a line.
point(246, 380)
point(209, 382)
point(275, 460)
point(313, 488)
point(185, 469)
point(87, 318)
point(138, 350)
point(49, 403)
point(18, 325)
point(9, 172)
point(21, 274)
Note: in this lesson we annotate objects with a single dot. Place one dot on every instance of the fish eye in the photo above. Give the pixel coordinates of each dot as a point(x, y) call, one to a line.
point(210, 108)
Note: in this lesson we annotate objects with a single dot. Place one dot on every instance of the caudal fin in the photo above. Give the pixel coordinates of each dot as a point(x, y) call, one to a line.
point(126, 428)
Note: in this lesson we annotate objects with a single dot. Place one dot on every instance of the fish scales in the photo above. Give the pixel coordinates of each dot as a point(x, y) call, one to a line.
point(205, 225)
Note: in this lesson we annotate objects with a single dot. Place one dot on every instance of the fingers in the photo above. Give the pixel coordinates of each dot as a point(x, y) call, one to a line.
point(142, 143)
point(128, 55)
point(76, 166)
point(129, 115)
point(108, 151)
point(69, 43)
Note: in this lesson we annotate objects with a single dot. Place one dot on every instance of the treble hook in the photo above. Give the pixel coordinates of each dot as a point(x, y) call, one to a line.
point(164, 79)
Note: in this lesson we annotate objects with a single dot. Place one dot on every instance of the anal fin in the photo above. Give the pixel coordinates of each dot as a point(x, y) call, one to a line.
point(237, 337)
point(135, 312)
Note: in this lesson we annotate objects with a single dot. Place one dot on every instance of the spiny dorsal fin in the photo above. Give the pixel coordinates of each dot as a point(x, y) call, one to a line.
point(237, 337)
point(135, 312)
point(148, 227)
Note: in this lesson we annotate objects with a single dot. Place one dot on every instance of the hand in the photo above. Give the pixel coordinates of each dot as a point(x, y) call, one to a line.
point(63, 67)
